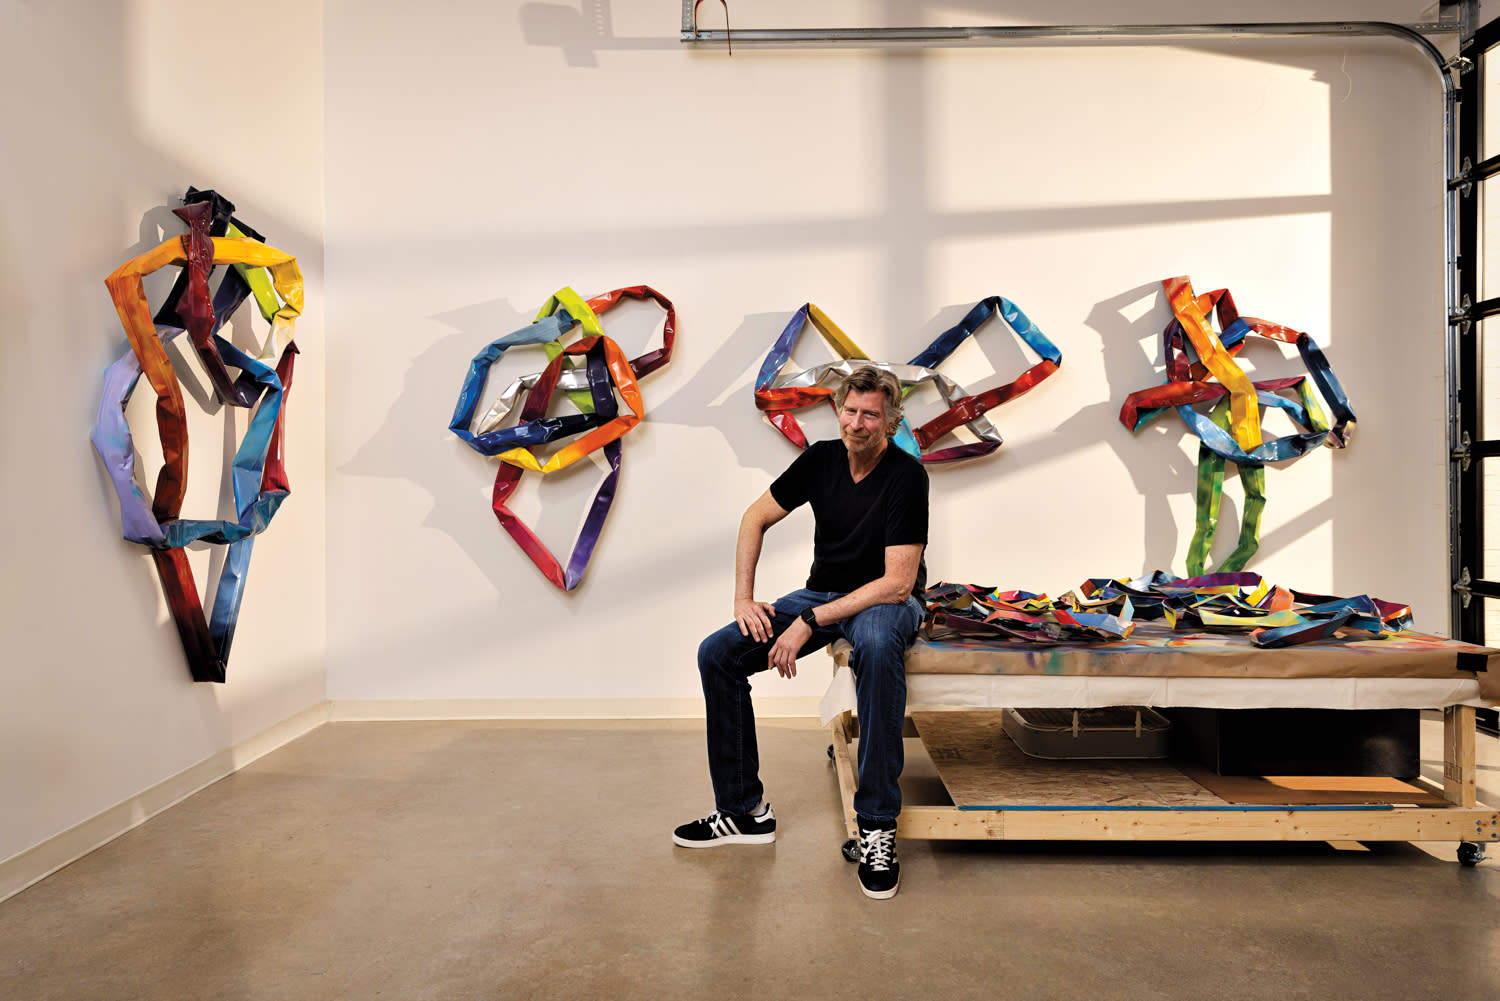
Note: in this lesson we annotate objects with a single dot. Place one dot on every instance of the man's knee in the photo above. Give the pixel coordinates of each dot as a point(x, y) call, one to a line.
point(724, 650)
point(882, 634)
point(711, 651)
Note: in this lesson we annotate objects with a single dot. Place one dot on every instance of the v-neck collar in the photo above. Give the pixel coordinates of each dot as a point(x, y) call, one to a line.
point(871, 471)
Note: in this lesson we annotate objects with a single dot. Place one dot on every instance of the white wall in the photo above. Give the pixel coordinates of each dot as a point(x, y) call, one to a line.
point(111, 111)
point(479, 156)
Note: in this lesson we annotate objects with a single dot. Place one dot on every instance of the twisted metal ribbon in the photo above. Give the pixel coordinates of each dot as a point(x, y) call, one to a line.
point(779, 392)
point(258, 475)
point(1201, 369)
point(1107, 609)
point(593, 387)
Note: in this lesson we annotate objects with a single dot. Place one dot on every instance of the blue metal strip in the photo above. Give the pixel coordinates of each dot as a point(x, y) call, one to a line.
point(1186, 809)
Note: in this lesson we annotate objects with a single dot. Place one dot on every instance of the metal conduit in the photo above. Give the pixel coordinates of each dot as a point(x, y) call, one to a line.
point(1066, 32)
point(1084, 33)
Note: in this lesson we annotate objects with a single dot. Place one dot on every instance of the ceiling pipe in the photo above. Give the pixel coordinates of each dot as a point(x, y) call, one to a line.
point(1414, 33)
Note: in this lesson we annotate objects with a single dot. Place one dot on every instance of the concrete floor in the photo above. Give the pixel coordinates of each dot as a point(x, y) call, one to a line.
point(458, 860)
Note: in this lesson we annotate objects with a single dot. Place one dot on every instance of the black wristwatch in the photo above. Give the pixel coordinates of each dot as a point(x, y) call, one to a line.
point(808, 617)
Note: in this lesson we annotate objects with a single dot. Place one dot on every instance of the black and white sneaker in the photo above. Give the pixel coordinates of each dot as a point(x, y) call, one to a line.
point(728, 829)
point(879, 872)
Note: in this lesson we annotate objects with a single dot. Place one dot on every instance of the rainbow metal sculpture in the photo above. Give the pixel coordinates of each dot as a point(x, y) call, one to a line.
point(214, 237)
point(778, 391)
point(591, 386)
point(1104, 609)
point(1201, 369)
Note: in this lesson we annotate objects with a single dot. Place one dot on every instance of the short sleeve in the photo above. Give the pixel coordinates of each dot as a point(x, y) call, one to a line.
point(906, 514)
point(793, 487)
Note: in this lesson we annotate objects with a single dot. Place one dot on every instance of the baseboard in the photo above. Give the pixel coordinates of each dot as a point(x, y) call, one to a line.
point(35, 864)
point(347, 710)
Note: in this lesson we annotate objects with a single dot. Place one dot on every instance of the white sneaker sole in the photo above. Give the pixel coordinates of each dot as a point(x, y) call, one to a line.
point(728, 839)
point(878, 894)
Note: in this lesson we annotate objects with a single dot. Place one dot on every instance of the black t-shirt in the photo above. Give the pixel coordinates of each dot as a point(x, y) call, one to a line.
point(855, 522)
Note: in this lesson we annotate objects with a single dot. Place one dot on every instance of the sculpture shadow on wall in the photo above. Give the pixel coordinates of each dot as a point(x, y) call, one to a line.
point(720, 394)
point(1131, 350)
point(580, 32)
point(456, 479)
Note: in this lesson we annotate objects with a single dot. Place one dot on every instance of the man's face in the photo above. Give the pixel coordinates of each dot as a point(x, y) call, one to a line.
point(862, 423)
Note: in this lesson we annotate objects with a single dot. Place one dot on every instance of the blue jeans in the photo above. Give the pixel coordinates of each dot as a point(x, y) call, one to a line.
point(880, 636)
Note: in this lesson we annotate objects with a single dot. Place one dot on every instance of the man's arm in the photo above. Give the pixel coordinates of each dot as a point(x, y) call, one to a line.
point(891, 588)
point(754, 617)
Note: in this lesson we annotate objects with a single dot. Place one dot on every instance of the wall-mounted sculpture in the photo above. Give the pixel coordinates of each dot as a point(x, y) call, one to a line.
point(1201, 370)
point(779, 392)
point(591, 372)
point(259, 480)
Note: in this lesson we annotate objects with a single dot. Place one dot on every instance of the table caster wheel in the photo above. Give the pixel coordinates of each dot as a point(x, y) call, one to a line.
point(851, 850)
point(1469, 853)
point(830, 752)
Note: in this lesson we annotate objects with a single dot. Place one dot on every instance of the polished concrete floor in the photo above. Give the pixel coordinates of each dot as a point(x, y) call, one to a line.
point(459, 860)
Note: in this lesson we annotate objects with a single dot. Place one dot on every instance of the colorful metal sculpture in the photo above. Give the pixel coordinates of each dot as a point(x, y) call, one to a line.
point(1105, 609)
point(592, 387)
point(779, 392)
point(259, 480)
point(1201, 369)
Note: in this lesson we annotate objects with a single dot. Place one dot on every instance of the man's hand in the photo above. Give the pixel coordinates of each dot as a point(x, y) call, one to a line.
point(754, 618)
point(783, 654)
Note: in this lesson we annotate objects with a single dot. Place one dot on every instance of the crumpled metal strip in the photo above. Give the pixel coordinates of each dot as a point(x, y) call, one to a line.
point(779, 392)
point(1104, 610)
point(593, 387)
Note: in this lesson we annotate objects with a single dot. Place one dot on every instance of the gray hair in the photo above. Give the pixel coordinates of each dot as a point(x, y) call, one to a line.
point(869, 379)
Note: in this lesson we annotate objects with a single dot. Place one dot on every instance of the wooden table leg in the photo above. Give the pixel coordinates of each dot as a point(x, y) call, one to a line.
point(843, 763)
point(1459, 765)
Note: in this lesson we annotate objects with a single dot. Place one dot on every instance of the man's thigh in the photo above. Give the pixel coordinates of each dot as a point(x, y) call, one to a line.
point(732, 646)
point(887, 626)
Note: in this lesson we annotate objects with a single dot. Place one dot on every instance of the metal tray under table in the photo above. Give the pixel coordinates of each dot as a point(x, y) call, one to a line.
point(1112, 732)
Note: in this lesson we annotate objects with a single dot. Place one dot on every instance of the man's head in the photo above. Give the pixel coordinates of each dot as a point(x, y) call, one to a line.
point(869, 379)
point(869, 406)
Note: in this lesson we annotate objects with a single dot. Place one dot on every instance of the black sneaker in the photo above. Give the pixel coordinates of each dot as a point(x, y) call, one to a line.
point(728, 829)
point(879, 872)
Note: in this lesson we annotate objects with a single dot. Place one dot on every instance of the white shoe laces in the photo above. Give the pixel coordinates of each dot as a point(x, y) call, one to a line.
point(877, 849)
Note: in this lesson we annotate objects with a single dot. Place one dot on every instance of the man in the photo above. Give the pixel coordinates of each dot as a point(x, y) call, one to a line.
point(869, 503)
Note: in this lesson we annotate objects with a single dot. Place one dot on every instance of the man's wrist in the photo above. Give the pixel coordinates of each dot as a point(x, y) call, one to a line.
point(809, 617)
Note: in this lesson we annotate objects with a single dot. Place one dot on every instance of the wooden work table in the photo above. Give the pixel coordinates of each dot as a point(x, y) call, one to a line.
point(1000, 793)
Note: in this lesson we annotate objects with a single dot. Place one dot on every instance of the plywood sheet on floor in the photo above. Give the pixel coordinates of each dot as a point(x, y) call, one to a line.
point(1312, 790)
point(981, 766)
